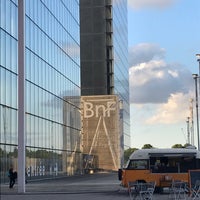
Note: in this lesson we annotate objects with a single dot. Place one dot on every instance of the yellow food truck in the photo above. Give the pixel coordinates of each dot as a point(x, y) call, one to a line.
point(160, 165)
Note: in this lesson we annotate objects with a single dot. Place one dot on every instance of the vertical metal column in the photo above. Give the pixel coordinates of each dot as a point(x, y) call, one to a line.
point(198, 60)
point(192, 121)
point(21, 96)
point(188, 130)
point(195, 76)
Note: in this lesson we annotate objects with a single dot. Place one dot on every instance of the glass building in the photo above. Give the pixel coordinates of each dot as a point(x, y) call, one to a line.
point(52, 87)
point(56, 75)
point(104, 53)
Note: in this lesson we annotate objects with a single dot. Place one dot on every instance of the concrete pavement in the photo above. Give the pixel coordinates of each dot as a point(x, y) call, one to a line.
point(97, 187)
point(112, 195)
point(116, 193)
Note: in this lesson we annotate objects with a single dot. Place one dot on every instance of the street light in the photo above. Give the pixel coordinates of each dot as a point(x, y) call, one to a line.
point(192, 120)
point(198, 57)
point(198, 60)
point(188, 130)
point(195, 76)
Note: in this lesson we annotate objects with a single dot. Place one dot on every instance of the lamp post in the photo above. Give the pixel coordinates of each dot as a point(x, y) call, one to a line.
point(192, 121)
point(198, 60)
point(188, 130)
point(195, 76)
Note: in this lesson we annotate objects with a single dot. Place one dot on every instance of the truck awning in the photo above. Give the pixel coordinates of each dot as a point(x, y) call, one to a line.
point(172, 154)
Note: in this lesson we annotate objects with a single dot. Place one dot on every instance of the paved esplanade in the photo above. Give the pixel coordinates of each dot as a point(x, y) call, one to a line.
point(95, 186)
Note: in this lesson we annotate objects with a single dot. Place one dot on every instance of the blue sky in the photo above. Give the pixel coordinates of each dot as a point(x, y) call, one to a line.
point(164, 36)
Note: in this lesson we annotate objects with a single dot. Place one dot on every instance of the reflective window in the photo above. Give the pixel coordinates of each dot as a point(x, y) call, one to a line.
point(121, 67)
point(2, 48)
point(52, 66)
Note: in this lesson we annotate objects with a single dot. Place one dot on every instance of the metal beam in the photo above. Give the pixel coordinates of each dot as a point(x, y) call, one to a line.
point(21, 96)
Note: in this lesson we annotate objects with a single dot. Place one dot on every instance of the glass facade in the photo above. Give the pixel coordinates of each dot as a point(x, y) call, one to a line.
point(52, 66)
point(121, 67)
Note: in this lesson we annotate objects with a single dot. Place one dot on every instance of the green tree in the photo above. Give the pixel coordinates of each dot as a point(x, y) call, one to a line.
point(177, 146)
point(14, 153)
point(127, 153)
point(186, 145)
point(147, 146)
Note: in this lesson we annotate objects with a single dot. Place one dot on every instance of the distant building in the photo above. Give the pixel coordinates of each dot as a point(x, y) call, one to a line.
point(104, 54)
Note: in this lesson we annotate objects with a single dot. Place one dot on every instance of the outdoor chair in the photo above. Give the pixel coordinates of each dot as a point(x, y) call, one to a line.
point(178, 190)
point(132, 189)
point(147, 192)
point(195, 191)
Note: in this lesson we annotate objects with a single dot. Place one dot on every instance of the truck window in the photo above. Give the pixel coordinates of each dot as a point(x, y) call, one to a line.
point(172, 164)
point(138, 164)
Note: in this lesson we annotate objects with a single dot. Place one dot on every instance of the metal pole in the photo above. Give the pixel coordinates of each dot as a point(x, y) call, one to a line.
point(192, 121)
point(198, 60)
point(195, 76)
point(188, 130)
point(197, 106)
point(21, 97)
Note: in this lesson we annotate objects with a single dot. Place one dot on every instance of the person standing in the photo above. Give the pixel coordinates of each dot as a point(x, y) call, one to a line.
point(12, 177)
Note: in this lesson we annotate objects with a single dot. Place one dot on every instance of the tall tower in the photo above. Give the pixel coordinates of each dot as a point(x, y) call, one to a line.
point(96, 26)
point(104, 53)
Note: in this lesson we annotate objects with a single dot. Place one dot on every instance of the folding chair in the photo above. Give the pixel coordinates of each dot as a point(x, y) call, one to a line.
point(178, 190)
point(132, 189)
point(147, 194)
point(195, 191)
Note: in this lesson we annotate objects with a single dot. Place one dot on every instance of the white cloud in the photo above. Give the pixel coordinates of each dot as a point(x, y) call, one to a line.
point(174, 111)
point(145, 72)
point(173, 73)
point(160, 94)
point(158, 4)
point(72, 49)
point(145, 52)
point(154, 81)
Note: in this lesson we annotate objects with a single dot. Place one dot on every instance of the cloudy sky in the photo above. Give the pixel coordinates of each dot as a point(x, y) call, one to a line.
point(164, 37)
